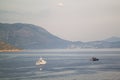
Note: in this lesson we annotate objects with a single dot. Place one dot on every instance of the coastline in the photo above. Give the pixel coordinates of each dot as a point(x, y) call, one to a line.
point(70, 50)
point(15, 50)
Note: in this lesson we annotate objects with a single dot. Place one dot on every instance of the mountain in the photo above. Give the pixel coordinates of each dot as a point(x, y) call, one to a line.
point(112, 39)
point(28, 36)
point(101, 44)
point(112, 42)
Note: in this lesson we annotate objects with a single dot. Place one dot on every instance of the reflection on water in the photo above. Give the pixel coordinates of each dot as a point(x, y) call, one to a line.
point(21, 65)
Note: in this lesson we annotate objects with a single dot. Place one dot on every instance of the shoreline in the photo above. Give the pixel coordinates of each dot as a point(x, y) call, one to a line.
point(69, 50)
point(15, 50)
point(60, 50)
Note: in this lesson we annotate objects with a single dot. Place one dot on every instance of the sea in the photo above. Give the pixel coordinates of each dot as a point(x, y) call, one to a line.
point(60, 63)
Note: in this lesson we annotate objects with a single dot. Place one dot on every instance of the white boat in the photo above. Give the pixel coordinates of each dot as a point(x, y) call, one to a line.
point(41, 62)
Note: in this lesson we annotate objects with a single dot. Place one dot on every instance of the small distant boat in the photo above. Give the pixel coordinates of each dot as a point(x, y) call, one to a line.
point(94, 59)
point(41, 62)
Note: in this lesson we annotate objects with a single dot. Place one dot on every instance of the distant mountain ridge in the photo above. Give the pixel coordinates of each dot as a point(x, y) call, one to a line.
point(112, 42)
point(29, 36)
point(113, 39)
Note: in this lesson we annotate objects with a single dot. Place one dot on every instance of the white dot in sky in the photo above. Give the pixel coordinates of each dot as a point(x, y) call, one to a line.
point(60, 4)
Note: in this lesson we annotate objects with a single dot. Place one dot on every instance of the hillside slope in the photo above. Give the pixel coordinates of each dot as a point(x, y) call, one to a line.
point(28, 36)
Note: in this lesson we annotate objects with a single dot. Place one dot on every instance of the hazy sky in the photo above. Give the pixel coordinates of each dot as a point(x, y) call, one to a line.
point(75, 20)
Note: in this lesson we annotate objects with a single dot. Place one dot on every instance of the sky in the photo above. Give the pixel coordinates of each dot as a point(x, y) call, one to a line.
point(74, 20)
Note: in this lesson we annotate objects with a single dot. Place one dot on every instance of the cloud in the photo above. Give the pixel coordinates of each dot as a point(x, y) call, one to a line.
point(60, 4)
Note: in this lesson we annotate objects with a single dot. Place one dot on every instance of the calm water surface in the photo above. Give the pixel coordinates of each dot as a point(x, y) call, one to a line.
point(21, 65)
